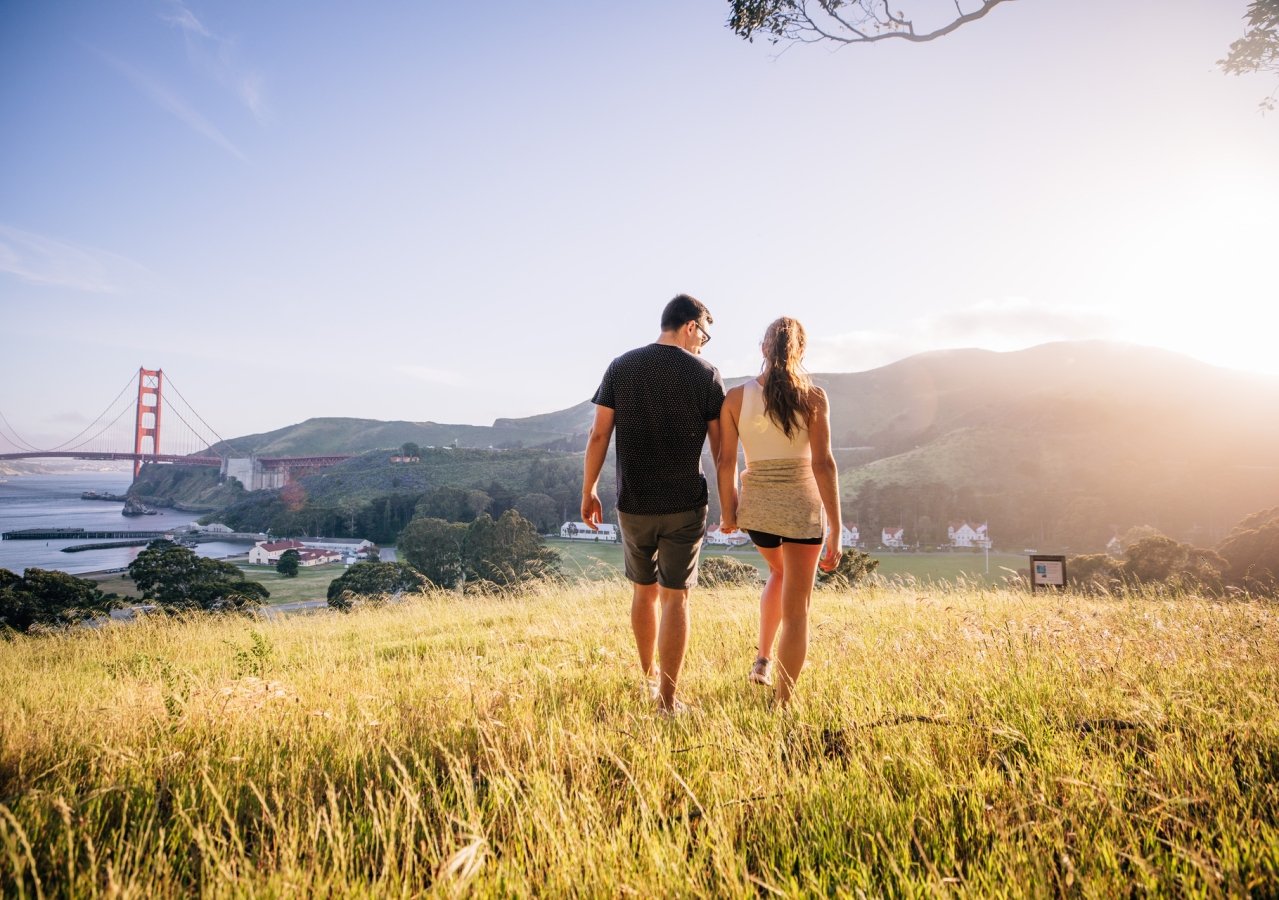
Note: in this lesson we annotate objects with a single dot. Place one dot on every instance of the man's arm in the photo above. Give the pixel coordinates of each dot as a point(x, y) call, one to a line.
point(596, 451)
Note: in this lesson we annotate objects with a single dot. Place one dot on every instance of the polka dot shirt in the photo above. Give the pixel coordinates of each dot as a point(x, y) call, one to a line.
point(662, 397)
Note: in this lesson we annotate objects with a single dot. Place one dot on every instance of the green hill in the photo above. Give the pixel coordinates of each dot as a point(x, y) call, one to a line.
point(1057, 446)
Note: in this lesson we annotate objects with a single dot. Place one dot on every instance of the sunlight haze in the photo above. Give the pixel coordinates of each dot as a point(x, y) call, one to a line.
point(454, 212)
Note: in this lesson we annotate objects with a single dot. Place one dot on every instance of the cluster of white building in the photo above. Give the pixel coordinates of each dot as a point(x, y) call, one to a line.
point(317, 552)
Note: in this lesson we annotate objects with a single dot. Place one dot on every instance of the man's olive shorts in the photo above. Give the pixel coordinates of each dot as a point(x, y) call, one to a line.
point(663, 549)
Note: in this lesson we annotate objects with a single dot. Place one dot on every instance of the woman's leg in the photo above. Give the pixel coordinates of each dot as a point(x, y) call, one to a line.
point(799, 565)
point(770, 601)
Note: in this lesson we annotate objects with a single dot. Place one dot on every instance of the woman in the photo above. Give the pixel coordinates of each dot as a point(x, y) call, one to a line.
point(783, 423)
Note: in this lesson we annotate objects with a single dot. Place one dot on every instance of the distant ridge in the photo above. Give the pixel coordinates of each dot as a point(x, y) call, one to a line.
point(1104, 433)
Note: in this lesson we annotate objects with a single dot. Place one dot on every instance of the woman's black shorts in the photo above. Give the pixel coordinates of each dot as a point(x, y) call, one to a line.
point(772, 541)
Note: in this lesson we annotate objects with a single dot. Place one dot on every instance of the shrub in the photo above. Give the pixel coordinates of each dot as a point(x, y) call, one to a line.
point(724, 571)
point(854, 566)
point(373, 582)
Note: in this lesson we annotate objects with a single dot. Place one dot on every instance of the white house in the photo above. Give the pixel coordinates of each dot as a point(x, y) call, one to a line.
point(894, 538)
point(963, 534)
point(733, 539)
point(850, 536)
point(580, 531)
point(267, 553)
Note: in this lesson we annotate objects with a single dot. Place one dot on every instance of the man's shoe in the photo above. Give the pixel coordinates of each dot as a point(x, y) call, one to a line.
point(762, 672)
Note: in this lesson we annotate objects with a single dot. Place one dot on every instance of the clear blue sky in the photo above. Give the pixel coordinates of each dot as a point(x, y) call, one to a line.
point(453, 212)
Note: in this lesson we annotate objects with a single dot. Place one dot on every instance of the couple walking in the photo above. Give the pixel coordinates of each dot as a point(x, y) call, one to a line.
point(664, 401)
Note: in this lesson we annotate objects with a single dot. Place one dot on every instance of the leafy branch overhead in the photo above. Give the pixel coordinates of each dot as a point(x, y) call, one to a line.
point(1258, 49)
point(846, 21)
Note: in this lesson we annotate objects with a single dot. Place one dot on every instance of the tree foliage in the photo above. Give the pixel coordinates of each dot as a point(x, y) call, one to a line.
point(854, 566)
point(288, 563)
point(178, 580)
point(1258, 49)
point(433, 546)
point(847, 21)
point(1251, 551)
point(508, 552)
point(373, 582)
point(504, 553)
point(43, 598)
point(725, 571)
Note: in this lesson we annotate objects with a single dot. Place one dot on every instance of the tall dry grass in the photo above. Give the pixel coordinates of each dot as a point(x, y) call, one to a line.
point(946, 739)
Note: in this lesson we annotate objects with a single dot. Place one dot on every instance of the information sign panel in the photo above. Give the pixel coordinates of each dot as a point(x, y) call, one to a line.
point(1047, 572)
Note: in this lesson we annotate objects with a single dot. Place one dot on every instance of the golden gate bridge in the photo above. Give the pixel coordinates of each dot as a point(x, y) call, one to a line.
point(131, 427)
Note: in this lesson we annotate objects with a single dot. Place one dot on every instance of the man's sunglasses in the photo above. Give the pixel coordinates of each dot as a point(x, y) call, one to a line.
point(706, 338)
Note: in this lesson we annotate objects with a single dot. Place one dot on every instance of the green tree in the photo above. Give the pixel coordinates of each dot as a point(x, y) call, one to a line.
point(40, 597)
point(854, 566)
point(1251, 552)
point(1094, 573)
point(508, 552)
point(434, 547)
point(1258, 49)
point(846, 21)
point(373, 582)
point(178, 580)
point(288, 563)
point(447, 503)
point(410, 449)
point(541, 510)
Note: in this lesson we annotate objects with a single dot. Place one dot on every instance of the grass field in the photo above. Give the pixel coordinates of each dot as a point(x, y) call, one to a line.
point(945, 740)
point(311, 583)
point(604, 560)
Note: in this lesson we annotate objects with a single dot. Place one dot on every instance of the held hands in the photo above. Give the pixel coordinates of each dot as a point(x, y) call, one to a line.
point(592, 511)
point(727, 525)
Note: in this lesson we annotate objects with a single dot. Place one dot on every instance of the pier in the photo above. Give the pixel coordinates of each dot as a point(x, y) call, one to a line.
point(76, 534)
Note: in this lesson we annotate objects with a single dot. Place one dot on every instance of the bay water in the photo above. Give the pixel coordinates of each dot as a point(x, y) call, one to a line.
point(53, 501)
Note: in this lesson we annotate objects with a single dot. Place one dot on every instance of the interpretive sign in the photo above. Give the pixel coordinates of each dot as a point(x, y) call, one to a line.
point(1047, 572)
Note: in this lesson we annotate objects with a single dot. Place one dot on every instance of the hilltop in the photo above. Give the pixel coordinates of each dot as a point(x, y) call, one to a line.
point(1059, 445)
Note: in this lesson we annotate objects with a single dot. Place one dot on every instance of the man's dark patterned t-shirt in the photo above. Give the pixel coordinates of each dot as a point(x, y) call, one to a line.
point(662, 397)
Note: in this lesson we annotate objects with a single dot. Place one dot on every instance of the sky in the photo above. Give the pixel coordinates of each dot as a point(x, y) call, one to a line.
point(455, 212)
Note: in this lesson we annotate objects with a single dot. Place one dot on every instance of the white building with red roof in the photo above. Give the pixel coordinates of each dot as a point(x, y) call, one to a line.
point(894, 538)
point(964, 534)
point(268, 553)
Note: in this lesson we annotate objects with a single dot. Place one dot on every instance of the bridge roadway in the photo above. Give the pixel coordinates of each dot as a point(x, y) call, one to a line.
point(268, 462)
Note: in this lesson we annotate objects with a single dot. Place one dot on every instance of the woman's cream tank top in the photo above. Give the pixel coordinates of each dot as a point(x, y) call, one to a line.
point(761, 437)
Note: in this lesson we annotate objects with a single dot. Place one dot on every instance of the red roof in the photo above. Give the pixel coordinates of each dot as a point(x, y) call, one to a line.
point(281, 545)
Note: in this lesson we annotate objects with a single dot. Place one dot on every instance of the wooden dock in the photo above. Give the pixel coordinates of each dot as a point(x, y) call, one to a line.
point(78, 534)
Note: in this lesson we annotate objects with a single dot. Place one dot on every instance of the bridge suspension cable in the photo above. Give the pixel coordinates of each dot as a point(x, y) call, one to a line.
point(195, 413)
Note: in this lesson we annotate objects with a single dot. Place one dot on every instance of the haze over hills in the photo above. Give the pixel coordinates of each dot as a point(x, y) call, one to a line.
point(1062, 443)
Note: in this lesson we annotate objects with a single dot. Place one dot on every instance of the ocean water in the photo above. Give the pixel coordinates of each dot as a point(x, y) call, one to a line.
point(53, 501)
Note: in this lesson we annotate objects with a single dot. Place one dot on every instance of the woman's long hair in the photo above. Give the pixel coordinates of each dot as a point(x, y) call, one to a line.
point(788, 399)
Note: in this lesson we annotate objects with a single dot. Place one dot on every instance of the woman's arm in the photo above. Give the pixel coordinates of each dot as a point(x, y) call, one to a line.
point(726, 463)
point(827, 475)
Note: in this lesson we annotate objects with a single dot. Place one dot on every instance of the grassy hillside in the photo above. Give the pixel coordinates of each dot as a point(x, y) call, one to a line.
point(334, 436)
point(971, 741)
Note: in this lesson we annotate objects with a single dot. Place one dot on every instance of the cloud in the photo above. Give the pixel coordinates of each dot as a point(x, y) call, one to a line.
point(218, 57)
point(433, 376)
point(1005, 324)
point(42, 260)
point(170, 102)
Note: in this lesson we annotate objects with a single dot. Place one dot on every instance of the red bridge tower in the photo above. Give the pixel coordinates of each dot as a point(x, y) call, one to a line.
point(148, 420)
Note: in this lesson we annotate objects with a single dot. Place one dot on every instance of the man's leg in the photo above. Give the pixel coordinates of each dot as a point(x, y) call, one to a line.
point(672, 639)
point(644, 625)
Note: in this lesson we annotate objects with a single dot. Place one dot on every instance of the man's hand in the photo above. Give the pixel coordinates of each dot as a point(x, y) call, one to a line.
point(592, 511)
point(726, 525)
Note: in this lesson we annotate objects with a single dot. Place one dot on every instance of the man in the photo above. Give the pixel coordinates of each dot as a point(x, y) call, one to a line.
point(664, 400)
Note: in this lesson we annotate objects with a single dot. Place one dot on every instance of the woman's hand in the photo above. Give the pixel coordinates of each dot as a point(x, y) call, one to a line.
point(727, 525)
point(831, 554)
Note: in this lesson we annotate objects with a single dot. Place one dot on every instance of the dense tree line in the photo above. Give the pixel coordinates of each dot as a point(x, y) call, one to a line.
point(39, 598)
point(1247, 560)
